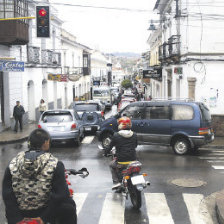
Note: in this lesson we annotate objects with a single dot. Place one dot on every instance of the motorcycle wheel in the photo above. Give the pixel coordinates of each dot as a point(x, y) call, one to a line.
point(136, 197)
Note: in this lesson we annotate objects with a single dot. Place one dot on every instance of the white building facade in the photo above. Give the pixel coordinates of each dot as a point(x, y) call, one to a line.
point(192, 52)
point(48, 64)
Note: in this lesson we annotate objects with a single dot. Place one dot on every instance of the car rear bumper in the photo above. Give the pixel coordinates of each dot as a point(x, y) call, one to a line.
point(201, 140)
point(55, 136)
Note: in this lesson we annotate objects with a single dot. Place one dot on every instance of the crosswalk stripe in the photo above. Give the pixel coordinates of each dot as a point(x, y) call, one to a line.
point(218, 167)
point(79, 199)
point(88, 139)
point(193, 202)
point(113, 209)
point(158, 209)
point(210, 157)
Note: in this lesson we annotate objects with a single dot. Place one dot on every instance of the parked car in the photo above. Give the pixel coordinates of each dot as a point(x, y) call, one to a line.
point(91, 113)
point(124, 102)
point(62, 125)
point(184, 125)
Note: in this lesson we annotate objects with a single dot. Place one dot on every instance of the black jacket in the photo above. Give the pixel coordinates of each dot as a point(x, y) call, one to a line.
point(59, 194)
point(18, 111)
point(125, 143)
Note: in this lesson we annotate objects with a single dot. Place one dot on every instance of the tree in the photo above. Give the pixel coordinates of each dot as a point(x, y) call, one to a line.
point(126, 84)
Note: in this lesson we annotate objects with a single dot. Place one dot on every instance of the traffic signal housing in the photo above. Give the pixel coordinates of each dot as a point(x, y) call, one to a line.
point(43, 21)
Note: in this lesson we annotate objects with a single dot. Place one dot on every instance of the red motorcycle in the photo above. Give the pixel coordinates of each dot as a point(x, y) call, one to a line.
point(82, 173)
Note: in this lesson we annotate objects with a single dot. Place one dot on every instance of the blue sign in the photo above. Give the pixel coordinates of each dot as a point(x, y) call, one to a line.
point(11, 66)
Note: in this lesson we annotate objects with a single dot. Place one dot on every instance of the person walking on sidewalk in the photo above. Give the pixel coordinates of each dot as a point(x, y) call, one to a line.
point(42, 106)
point(18, 112)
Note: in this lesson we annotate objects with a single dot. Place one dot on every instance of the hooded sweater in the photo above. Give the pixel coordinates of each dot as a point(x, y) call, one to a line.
point(43, 177)
point(125, 142)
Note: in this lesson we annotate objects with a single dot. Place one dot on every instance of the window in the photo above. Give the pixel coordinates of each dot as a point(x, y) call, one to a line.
point(134, 112)
point(205, 114)
point(182, 112)
point(57, 117)
point(157, 112)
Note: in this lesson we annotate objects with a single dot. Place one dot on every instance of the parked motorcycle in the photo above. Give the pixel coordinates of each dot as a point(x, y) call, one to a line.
point(82, 173)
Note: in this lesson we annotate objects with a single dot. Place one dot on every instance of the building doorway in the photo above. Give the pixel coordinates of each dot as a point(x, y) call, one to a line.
point(2, 117)
point(31, 99)
point(66, 97)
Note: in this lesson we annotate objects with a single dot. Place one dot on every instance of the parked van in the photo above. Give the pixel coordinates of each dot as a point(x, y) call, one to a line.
point(183, 125)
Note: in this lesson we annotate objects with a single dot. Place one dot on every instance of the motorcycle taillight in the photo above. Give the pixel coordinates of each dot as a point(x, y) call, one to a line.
point(133, 169)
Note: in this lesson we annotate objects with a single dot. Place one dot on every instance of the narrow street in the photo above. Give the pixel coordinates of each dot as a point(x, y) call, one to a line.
point(165, 201)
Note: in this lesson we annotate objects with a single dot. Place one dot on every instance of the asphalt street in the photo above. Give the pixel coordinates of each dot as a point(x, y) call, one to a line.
point(179, 186)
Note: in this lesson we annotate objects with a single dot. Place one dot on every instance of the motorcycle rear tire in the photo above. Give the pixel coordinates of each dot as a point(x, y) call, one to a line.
point(136, 197)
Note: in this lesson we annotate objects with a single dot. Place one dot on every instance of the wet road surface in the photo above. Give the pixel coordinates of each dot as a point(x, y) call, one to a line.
point(163, 201)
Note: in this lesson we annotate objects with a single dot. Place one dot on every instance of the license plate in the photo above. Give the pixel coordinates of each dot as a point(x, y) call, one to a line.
point(87, 128)
point(138, 180)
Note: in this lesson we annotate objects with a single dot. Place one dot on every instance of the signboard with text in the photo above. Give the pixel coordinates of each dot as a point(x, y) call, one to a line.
point(11, 66)
point(58, 77)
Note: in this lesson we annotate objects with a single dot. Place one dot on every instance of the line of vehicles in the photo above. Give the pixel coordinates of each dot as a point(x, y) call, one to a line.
point(182, 124)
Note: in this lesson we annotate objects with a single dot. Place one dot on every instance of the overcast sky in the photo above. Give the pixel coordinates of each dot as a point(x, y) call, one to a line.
point(109, 30)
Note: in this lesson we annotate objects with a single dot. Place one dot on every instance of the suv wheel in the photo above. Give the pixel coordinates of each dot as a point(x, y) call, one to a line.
point(181, 146)
point(106, 141)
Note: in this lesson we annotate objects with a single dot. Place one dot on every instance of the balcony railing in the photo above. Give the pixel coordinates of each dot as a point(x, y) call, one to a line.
point(33, 55)
point(174, 45)
point(50, 57)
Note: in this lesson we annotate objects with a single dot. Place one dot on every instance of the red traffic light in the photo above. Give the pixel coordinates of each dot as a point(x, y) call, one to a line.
point(42, 12)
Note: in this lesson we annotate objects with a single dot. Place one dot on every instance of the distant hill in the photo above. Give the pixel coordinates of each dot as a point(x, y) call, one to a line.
point(126, 54)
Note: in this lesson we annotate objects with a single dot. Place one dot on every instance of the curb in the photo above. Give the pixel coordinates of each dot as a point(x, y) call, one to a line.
point(213, 146)
point(219, 207)
point(14, 140)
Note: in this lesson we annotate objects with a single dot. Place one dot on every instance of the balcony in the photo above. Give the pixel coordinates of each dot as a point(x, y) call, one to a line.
point(174, 45)
point(33, 55)
point(50, 57)
point(163, 51)
point(13, 33)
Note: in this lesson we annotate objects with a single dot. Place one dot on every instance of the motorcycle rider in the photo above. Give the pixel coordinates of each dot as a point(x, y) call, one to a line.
point(125, 142)
point(34, 185)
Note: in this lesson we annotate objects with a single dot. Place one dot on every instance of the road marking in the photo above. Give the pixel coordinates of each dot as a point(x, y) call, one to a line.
point(113, 209)
point(210, 157)
point(88, 139)
point(218, 167)
point(158, 209)
point(215, 161)
point(193, 202)
point(79, 199)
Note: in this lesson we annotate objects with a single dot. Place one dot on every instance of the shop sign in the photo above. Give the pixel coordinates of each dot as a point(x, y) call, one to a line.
point(11, 66)
point(151, 74)
point(58, 77)
point(178, 70)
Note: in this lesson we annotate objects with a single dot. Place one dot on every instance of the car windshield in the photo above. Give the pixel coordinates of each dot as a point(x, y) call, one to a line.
point(56, 117)
point(98, 92)
point(86, 107)
point(206, 116)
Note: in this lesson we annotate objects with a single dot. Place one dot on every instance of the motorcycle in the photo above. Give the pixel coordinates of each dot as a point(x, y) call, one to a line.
point(82, 173)
point(132, 180)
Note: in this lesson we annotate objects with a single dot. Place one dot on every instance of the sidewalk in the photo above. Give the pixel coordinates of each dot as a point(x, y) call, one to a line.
point(10, 136)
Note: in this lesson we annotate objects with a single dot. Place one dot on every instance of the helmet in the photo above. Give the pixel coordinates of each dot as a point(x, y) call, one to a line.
point(124, 123)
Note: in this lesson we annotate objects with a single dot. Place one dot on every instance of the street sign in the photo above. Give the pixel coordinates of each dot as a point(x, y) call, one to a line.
point(96, 83)
point(43, 21)
point(11, 66)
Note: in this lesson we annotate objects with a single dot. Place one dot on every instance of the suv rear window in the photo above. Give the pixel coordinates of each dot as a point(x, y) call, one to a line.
point(182, 112)
point(157, 112)
point(56, 117)
point(87, 107)
point(205, 114)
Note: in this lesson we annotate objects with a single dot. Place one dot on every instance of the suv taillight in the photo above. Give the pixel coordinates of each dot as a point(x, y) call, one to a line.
point(38, 126)
point(204, 131)
point(73, 126)
point(102, 113)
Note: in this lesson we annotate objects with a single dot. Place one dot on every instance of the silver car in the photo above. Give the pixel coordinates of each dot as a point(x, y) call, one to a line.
point(62, 125)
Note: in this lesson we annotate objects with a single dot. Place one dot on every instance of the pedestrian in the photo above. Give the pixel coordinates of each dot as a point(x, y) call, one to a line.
point(150, 98)
point(18, 112)
point(42, 106)
point(34, 185)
